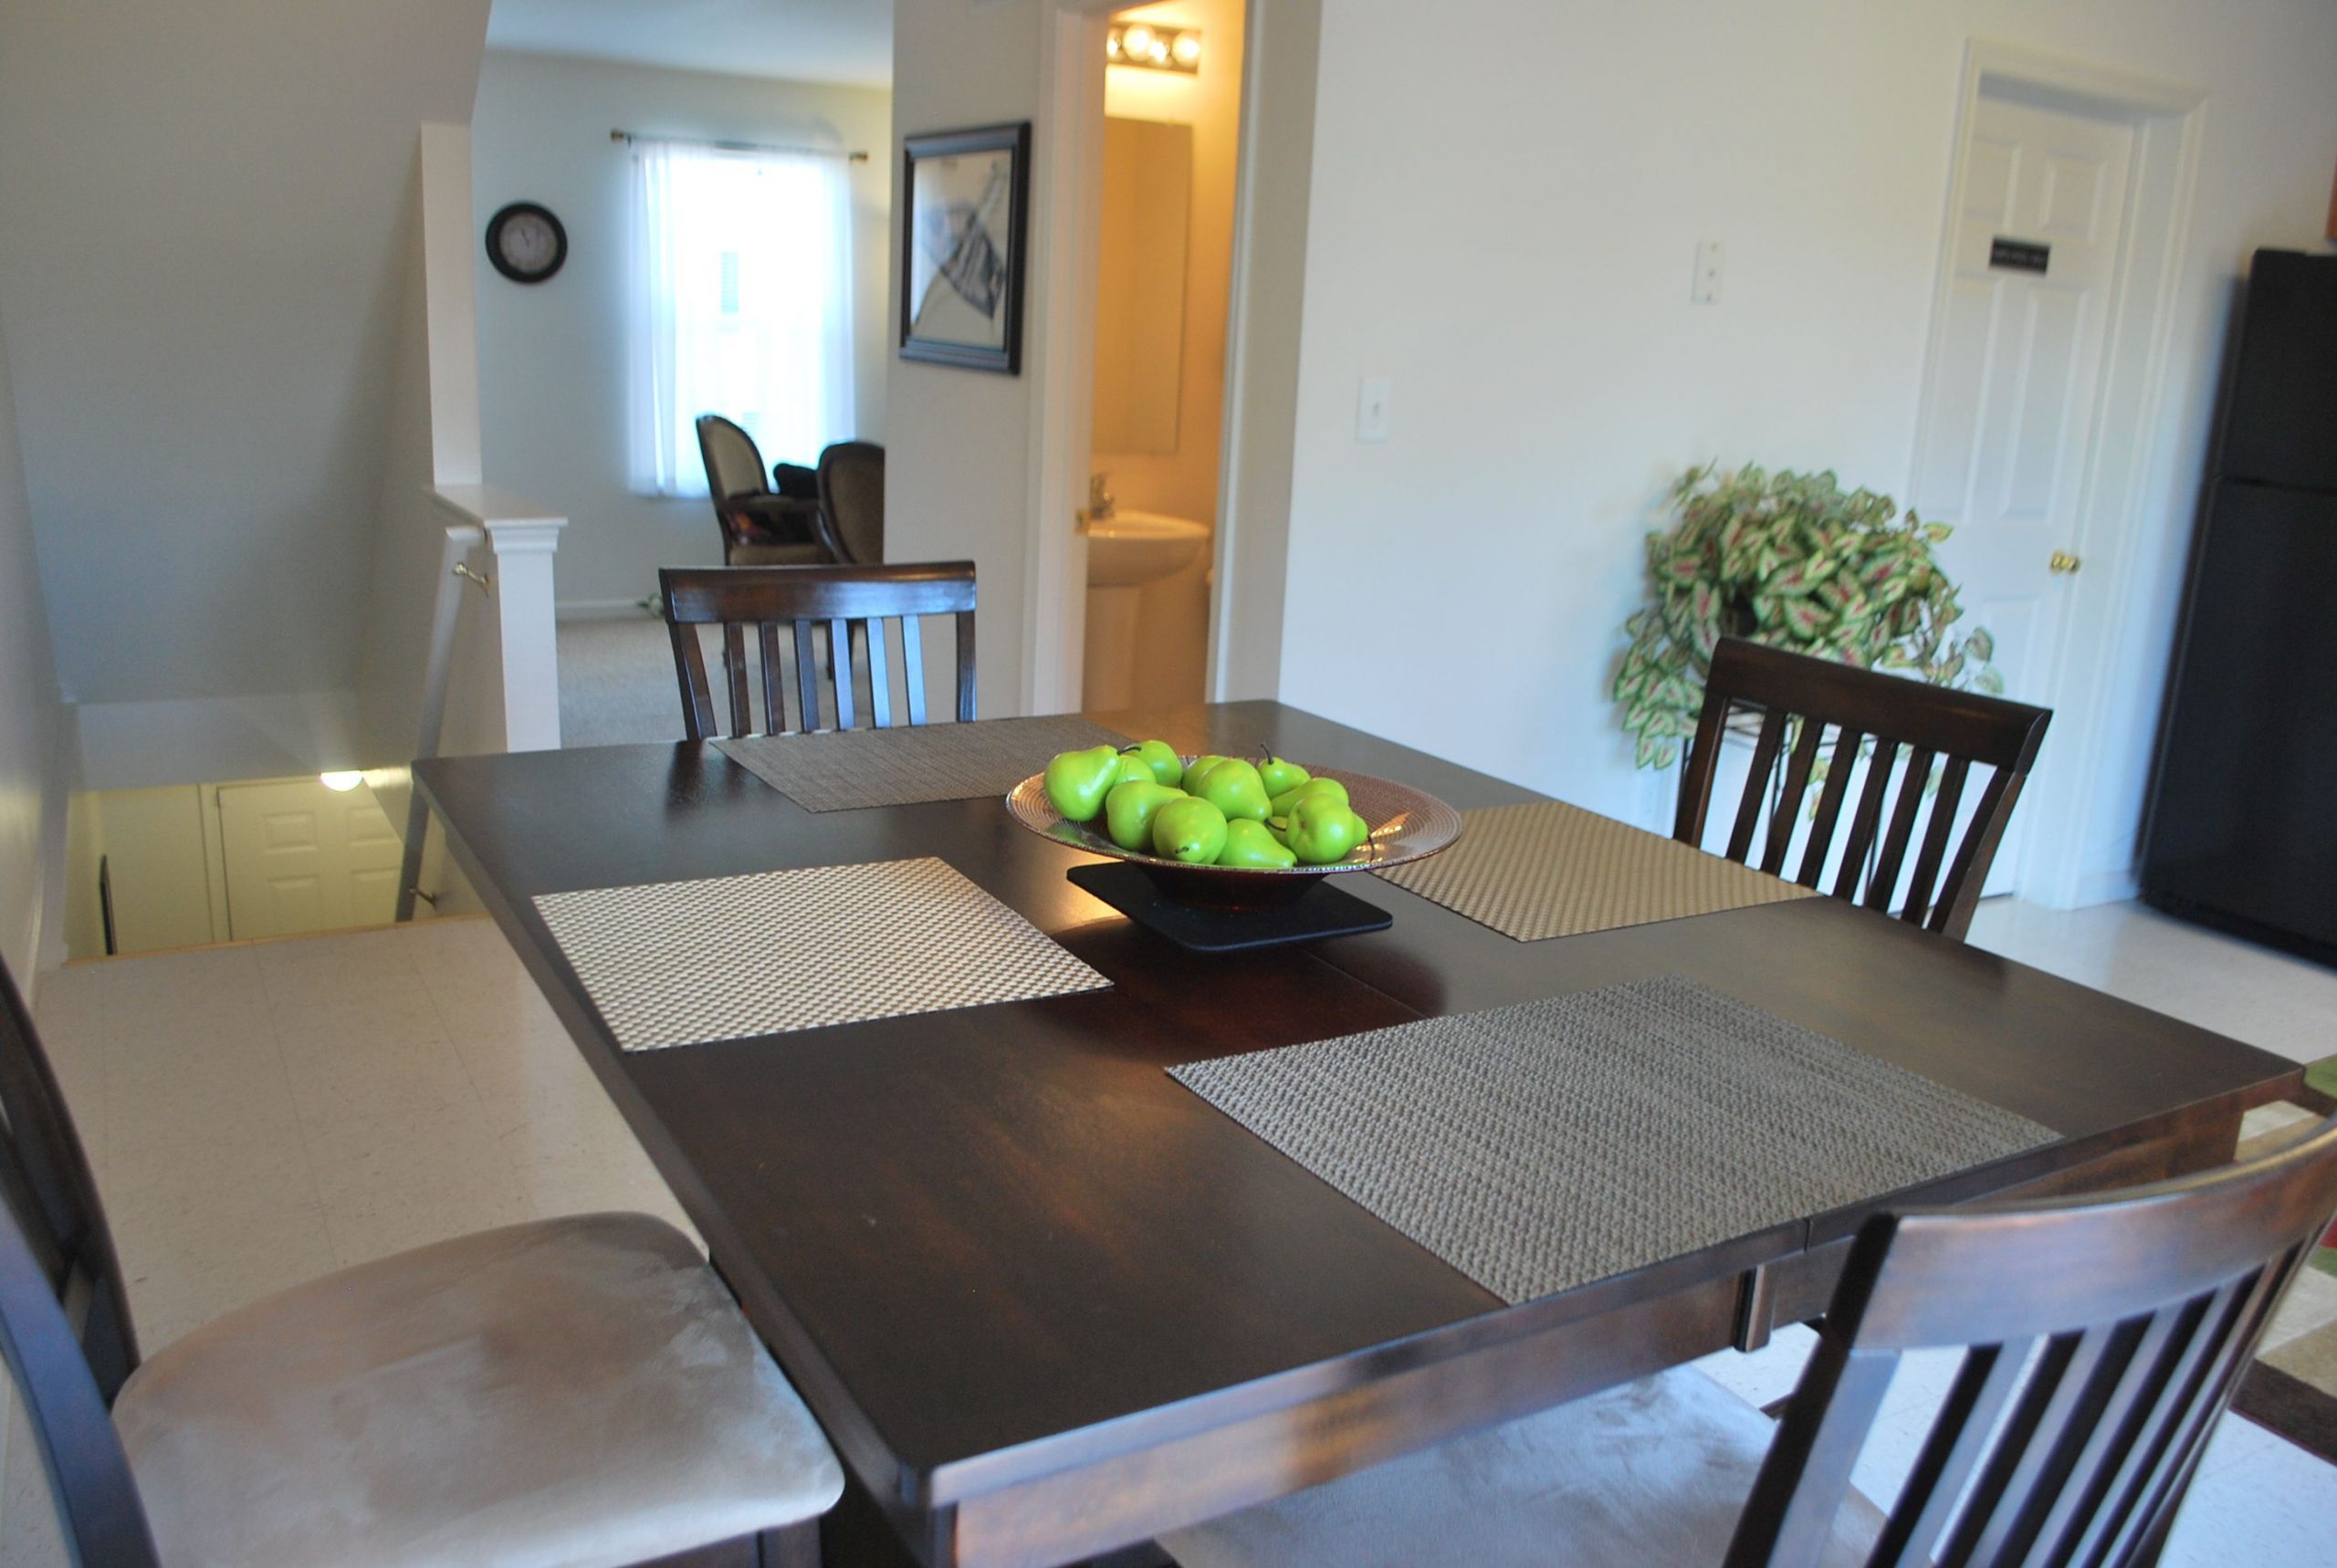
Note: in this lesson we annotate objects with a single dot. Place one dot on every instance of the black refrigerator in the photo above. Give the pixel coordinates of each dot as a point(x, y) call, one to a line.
point(2242, 832)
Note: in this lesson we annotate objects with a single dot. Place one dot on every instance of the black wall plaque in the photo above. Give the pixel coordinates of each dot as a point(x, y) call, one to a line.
point(2019, 254)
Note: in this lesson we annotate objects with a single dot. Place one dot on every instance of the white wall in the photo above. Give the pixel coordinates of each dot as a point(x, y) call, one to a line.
point(199, 271)
point(32, 785)
point(957, 452)
point(553, 355)
point(1514, 249)
point(430, 438)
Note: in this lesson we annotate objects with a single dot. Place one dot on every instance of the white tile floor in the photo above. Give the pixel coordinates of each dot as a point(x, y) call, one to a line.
point(264, 1114)
point(261, 1114)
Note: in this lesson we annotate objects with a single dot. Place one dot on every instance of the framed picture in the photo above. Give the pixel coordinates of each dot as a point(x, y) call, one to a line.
point(965, 209)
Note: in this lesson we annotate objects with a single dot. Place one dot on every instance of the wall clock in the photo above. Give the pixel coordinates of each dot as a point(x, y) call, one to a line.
point(525, 242)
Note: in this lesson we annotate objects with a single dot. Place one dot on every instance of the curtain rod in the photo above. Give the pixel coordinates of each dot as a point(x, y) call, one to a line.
point(629, 137)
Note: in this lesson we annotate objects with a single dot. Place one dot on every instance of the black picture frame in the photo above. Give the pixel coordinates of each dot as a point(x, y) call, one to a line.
point(502, 264)
point(995, 281)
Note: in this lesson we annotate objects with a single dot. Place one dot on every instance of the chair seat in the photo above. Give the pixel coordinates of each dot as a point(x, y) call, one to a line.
point(570, 1392)
point(1649, 1475)
point(776, 555)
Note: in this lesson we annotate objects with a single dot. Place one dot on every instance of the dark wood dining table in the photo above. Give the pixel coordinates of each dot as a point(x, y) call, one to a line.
point(1048, 1303)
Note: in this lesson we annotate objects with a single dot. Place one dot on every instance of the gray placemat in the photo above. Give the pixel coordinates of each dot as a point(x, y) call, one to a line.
point(1548, 869)
point(1542, 1146)
point(680, 963)
point(844, 770)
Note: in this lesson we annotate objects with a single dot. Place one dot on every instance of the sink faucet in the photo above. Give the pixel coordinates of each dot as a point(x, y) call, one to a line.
point(1100, 502)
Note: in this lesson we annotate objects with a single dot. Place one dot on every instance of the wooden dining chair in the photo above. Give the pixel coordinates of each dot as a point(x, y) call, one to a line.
point(2101, 1343)
point(1882, 718)
point(581, 1390)
point(860, 608)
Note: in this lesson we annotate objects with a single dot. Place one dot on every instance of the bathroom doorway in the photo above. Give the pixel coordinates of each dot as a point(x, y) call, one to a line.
point(1171, 144)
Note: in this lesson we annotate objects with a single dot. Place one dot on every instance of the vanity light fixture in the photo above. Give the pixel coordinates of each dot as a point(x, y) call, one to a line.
point(341, 781)
point(1154, 48)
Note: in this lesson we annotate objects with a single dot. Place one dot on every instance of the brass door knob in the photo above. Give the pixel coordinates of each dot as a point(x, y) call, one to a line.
point(2064, 562)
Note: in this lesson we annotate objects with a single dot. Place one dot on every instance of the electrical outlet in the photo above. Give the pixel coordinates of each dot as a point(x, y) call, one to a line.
point(1371, 409)
point(1706, 289)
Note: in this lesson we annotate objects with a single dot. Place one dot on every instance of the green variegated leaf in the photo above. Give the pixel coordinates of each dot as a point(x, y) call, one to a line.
point(1841, 574)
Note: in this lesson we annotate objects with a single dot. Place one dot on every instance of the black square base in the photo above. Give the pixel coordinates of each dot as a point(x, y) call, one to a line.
point(1321, 910)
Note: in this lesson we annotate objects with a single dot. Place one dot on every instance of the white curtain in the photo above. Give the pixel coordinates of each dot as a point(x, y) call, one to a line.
point(742, 306)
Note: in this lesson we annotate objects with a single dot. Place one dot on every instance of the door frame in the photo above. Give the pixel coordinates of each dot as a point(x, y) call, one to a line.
point(2081, 685)
point(1067, 133)
point(1067, 211)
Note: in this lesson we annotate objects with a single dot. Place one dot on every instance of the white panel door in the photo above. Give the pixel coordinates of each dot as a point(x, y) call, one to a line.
point(2014, 375)
point(301, 857)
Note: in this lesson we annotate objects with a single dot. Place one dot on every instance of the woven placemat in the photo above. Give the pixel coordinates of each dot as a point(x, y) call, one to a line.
point(1540, 1148)
point(1548, 869)
point(680, 963)
point(846, 769)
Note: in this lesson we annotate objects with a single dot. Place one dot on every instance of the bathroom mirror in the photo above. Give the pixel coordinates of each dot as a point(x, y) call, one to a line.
point(1140, 284)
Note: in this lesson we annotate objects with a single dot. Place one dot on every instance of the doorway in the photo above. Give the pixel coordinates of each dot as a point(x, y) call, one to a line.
point(2052, 298)
point(302, 855)
point(1170, 140)
point(1259, 351)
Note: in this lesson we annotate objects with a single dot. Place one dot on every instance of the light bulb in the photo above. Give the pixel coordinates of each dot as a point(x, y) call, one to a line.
point(1112, 47)
point(1139, 41)
point(1188, 48)
point(340, 782)
point(1159, 52)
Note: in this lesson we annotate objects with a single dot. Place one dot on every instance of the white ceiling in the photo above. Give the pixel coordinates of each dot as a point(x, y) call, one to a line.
point(799, 40)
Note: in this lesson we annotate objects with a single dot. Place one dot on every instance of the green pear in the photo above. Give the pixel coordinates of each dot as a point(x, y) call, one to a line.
point(1283, 803)
point(1235, 788)
point(1190, 830)
point(1249, 843)
point(1130, 769)
point(1197, 767)
point(1168, 767)
point(1077, 781)
point(1322, 831)
point(1129, 809)
point(1280, 774)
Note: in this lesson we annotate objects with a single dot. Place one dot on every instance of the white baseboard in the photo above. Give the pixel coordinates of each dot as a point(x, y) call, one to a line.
point(2114, 886)
point(600, 609)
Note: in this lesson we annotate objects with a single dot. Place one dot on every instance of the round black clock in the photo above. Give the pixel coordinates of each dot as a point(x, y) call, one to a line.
point(525, 242)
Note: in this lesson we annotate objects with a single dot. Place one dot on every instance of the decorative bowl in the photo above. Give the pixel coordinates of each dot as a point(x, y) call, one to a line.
point(1406, 824)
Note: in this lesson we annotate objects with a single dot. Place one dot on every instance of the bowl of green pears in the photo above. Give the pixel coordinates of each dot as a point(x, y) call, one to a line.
point(1228, 833)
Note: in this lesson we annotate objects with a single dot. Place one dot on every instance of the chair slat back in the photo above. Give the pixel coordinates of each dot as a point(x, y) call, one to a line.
point(64, 1318)
point(2102, 1342)
point(863, 612)
point(44, 1177)
point(89, 1475)
point(1919, 743)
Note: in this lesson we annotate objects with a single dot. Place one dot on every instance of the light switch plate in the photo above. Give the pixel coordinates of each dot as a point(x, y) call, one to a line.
point(1706, 290)
point(1371, 409)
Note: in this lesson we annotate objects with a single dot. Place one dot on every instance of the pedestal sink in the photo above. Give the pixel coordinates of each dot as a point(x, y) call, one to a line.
point(1126, 552)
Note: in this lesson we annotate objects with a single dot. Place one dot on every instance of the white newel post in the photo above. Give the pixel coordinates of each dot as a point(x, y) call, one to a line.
point(524, 604)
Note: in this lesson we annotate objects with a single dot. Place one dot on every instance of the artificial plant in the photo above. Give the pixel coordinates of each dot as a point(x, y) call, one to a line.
point(1795, 562)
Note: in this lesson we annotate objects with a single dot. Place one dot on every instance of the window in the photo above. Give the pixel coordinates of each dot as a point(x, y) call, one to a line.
point(742, 306)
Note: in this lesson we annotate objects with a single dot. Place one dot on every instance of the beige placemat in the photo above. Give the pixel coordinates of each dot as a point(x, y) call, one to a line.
point(847, 770)
point(1542, 1147)
point(1548, 869)
point(680, 963)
